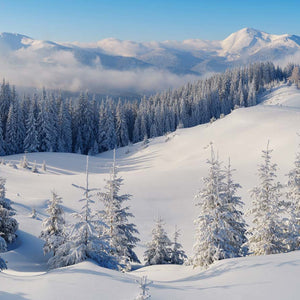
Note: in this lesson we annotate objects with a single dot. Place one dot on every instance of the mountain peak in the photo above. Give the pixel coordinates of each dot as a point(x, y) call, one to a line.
point(245, 39)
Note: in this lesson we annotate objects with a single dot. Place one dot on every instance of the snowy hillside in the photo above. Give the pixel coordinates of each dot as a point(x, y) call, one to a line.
point(136, 66)
point(163, 179)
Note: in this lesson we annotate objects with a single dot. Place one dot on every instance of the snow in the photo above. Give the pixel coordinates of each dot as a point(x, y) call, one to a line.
point(163, 179)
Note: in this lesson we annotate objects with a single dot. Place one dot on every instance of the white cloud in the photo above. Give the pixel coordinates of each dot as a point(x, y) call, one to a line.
point(60, 70)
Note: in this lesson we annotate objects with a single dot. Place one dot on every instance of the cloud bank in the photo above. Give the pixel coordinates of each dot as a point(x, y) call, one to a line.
point(61, 70)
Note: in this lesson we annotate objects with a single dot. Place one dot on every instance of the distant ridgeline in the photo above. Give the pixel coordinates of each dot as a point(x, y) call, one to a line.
point(51, 123)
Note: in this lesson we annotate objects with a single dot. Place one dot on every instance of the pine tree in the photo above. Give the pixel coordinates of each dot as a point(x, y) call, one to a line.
point(64, 129)
point(2, 143)
point(3, 248)
point(235, 225)
point(31, 143)
point(120, 232)
point(3, 200)
point(11, 131)
point(266, 234)
point(8, 225)
point(209, 239)
point(293, 195)
point(86, 239)
point(177, 254)
point(121, 127)
point(159, 249)
point(53, 232)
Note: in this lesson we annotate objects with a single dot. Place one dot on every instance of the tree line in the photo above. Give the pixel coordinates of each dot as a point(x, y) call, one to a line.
point(49, 122)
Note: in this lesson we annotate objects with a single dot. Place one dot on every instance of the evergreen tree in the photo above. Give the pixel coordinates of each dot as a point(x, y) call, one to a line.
point(11, 131)
point(210, 241)
point(159, 249)
point(31, 143)
point(120, 231)
point(121, 127)
point(86, 239)
point(2, 143)
point(177, 254)
point(64, 129)
point(3, 200)
point(266, 234)
point(293, 195)
point(3, 248)
point(235, 226)
point(53, 226)
point(8, 225)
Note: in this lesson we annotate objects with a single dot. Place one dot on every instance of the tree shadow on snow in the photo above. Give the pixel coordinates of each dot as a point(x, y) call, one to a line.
point(10, 296)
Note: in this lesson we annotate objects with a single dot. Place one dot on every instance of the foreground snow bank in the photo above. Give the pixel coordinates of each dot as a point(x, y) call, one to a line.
point(264, 277)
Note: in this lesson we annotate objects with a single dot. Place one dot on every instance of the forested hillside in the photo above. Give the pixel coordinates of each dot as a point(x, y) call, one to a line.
point(48, 122)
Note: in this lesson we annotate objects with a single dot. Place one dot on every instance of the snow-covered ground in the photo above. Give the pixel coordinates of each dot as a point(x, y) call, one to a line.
point(163, 178)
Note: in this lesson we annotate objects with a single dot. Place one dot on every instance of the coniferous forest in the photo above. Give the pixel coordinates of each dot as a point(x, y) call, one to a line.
point(48, 122)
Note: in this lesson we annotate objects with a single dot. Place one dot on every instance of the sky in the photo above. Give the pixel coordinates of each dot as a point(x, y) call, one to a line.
point(145, 20)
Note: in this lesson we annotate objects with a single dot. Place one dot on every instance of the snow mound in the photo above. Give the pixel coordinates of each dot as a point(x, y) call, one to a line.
point(287, 96)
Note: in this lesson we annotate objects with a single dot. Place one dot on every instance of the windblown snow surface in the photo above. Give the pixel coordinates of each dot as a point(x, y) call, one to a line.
point(163, 179)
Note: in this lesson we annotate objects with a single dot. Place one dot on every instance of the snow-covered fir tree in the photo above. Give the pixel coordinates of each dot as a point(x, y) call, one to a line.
point(8, 225)
point(209, 238)
point(293, 196)
point(159, 249)
point(266, 235)
point(2, 143)
point(121, 233)
point(178, 256)
point(53, 232)
point(6, 203)
point(235, 225)
point(86, 239)
point(31, 143)
point(3, 248)
point(220, 227)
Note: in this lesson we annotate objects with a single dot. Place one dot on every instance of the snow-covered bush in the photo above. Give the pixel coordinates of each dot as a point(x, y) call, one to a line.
point(143, 285)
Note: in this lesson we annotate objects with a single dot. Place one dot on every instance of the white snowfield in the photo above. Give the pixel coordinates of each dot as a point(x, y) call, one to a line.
point(163, 179)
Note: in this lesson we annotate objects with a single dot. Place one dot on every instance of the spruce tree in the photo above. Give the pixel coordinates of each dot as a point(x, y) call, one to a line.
point(53, 232)
point(177, 254)
point(266, 235)
point(121, 233)
point(234, 223)
point(86, 239)
point(293, 195)
point(210, 241)
point(31, 143)
point(3, 248)
point(159, 249)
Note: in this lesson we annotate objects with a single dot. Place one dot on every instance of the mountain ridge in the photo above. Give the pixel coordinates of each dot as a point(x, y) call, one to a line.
point(152, 66)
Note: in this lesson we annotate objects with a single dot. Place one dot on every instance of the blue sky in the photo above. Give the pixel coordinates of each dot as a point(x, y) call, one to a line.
point(145, 20)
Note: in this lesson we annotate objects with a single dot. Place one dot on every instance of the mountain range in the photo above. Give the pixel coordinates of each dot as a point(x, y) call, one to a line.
point(193, 57)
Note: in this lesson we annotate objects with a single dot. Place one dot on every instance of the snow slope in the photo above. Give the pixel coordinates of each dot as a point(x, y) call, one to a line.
point(163, 178)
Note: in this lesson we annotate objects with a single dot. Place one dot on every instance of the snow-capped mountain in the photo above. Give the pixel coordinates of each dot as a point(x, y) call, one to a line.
point(149, 65)
point(180, 57)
